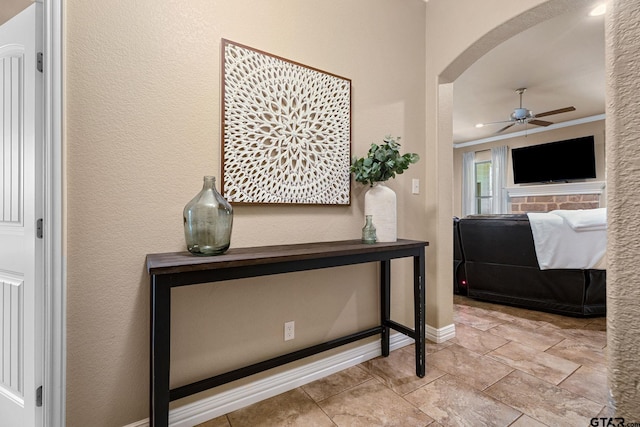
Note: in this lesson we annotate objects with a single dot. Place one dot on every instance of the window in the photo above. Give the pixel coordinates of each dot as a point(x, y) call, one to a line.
point(483, 187)
point(484, 181)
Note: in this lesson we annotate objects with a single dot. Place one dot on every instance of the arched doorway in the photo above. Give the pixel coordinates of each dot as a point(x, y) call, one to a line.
point(623, 156)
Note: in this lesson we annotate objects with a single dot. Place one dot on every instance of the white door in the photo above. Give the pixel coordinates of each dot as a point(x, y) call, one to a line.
point(21, 251)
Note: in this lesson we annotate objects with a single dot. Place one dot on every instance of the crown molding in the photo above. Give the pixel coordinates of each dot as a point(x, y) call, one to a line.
point(531, 131)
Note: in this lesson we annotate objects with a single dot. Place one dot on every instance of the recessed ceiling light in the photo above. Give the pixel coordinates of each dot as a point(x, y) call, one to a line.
point(479, 125)
point(598, 10)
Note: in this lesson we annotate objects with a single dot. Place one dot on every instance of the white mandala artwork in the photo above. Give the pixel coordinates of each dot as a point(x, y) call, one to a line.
point(286, 131)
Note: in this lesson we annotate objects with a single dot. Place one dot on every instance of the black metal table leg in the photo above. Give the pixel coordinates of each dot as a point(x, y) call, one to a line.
point(419, 311)
point(160, 353)
point(385, 304)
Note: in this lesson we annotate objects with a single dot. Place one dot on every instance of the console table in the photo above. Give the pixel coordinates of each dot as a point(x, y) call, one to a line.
point(170, 270)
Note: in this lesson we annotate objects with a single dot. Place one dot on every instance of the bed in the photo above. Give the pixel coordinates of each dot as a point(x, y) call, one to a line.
point(563, 272)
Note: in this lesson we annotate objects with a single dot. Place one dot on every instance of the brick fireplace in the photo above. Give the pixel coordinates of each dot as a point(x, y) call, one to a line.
point(545, 198)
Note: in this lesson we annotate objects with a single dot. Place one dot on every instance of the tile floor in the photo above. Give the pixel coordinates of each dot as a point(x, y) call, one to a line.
point(506, 367)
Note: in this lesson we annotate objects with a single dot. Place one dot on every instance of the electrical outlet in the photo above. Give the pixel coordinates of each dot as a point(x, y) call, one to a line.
point(415, 186)
point(289, 330)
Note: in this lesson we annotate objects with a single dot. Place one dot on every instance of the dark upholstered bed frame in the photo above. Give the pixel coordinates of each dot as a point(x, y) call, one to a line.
point(495, 260)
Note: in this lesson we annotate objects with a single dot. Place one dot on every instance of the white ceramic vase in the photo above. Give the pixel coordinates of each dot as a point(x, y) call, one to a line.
point(380, 203)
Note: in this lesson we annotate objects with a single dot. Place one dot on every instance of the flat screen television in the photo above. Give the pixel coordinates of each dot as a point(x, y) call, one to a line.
point(560, 161)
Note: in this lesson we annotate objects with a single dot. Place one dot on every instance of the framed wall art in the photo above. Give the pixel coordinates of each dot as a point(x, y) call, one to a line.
point(286, 131)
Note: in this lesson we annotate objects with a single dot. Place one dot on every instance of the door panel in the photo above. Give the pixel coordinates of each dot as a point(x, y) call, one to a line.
point(11, 65)
point(20, 206)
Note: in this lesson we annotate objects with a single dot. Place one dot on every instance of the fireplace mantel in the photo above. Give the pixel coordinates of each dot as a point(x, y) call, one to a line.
point(590, 187)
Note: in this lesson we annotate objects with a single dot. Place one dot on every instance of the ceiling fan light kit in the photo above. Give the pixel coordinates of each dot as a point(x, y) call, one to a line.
point(524, 116)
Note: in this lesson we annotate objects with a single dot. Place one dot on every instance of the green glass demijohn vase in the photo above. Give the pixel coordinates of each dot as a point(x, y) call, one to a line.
point(208, 219)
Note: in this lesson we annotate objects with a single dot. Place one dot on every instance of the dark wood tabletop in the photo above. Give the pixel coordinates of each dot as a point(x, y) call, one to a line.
point(180, 262)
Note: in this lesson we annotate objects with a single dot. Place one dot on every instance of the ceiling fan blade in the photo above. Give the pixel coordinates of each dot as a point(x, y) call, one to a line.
point(506, 127)
point(558, 111)
point(540, 122)
point(493, 123)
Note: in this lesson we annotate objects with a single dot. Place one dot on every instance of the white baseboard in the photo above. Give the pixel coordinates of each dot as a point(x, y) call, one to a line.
point(239, 397)
point(441, 335)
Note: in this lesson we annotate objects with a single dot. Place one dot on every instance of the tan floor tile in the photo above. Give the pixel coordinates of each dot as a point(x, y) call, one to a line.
point(477, 340)
point(336, 383)
point(518, 312)
point(530, 324)
point(451, 402)
point(479, 322)
point(590, 383)
point(542, 365)
point(579, 352)
point(559, 321)
point(542, 318)
point(596, 327)
point(462, 302)
point(607, 412)
point(527, 421)
point(476, 370)
point(372, 404)
point(293, 408)
point(482, 312)
point(496, 310)
point(398, 371)
point(597, 324)
point(526, 318)
point(590, 337)
point(544, 402)
point(431, 347)
point(538, 339)
point(506, 315)
point(216, 422)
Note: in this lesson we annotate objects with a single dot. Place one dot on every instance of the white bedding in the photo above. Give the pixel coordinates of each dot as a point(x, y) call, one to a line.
point(570, 239)
point(584, 219)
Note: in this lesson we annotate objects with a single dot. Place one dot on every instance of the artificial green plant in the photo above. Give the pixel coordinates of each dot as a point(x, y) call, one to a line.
point(382, 163)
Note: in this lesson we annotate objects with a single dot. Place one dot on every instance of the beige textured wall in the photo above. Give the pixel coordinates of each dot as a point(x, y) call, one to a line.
point(11, 8)
point(623, 170)
point(597, 129)
point(143, 124)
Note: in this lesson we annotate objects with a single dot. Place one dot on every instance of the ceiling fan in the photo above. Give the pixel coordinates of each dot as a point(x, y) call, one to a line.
point(524, 115)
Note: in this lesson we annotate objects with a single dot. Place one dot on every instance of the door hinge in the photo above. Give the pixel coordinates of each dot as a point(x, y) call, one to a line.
point(39, 397)
point(39, 61)
point(39, 228)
